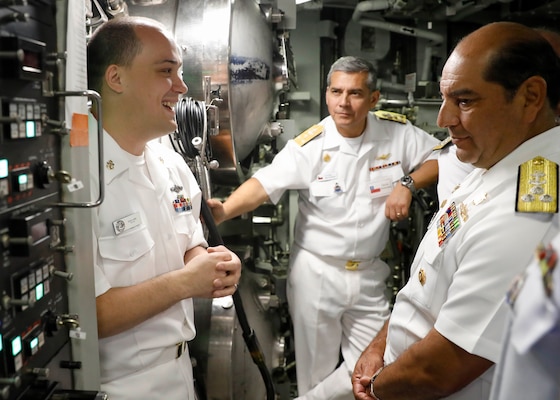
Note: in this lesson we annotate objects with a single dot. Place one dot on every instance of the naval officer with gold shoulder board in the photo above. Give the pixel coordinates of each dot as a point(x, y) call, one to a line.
point(500, 87)
point(344, 170)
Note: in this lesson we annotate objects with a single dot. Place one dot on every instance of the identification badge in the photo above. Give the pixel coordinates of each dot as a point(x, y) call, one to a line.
point(126, 223)
point(326, 177)
point(381, 187)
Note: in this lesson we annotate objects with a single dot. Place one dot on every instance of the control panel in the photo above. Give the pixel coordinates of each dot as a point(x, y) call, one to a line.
point(35, 325)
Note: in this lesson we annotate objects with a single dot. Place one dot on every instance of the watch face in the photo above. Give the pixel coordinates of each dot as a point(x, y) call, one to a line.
point(406, 180)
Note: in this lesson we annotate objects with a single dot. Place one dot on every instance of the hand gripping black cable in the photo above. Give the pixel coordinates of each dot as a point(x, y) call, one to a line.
point(215, 239)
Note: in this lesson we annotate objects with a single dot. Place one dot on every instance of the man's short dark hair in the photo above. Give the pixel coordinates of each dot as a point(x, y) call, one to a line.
point(114, 42)
point(517, 60)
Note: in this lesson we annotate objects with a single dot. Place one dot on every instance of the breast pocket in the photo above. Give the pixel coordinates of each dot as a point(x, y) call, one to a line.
point(185, 227)
point(381, 183)
point(426, 274)
point(121, 253)
point(329, 197)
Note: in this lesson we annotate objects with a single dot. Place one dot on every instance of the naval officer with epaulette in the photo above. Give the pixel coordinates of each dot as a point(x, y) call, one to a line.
point(353, 174)
point(500, 88)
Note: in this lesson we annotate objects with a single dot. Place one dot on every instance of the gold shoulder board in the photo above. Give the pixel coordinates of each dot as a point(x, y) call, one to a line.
point(443, 144)
point(390, 116)
point(308, 134)
point(537, 186)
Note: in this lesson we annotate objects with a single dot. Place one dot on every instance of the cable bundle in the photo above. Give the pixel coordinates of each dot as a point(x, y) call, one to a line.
point(191, 124)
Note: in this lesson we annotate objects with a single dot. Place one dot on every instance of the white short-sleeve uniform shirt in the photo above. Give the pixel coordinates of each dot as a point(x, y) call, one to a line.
point(452, 171)
point(529, 365)
point(342, 193)
point(473, 248)
point(147, 221)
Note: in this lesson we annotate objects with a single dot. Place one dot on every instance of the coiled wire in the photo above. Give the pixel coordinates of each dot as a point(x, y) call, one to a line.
point(191, 124)
point(190, 140)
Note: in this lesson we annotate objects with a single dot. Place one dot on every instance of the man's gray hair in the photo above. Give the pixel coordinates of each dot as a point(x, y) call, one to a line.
point(352, 64)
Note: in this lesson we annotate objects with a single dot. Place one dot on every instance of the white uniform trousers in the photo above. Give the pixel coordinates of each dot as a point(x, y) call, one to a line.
point(334, 310)
point(171, 380)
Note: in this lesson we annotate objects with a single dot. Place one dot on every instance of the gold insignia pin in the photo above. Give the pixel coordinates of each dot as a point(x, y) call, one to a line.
point(326, 158)
point(464, 211)
point(481, 198)
point(422, 276)
point(110, 164)
point(383, 156)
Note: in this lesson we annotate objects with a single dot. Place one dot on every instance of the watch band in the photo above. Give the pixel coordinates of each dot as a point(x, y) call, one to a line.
point(408, 182)
point(373, 378)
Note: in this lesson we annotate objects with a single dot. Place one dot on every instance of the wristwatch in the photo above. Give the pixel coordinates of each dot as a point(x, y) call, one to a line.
point(408, 182)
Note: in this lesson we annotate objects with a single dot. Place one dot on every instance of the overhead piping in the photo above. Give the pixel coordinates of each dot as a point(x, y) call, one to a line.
point(403, 29)
point(371, 5)
point(360, 16)
point(461, 9)
point(378, 5)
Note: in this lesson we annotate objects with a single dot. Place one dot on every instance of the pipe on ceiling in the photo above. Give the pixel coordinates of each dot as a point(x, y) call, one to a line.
point(379, 5)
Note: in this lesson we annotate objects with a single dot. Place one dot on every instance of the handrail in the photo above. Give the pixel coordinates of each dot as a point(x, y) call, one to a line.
point(96, 97)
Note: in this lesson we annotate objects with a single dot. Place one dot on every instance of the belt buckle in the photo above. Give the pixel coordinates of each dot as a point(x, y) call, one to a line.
point(352, 265)
point(181, 346)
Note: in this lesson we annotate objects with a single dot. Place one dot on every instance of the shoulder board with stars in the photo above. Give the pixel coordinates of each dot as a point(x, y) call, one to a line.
point(309, 134)
point(443, 144)
point(537, 186)
point(390, 116)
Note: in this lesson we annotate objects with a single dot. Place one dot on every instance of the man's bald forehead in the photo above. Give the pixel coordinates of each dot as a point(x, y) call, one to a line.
point(551, 37)
point(494, 36)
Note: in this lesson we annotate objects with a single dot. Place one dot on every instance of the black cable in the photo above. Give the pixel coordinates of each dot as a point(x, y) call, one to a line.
point(190, 124)
point(251, 340)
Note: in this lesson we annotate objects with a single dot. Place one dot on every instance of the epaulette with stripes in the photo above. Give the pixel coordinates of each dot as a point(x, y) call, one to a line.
point(309, 134)
point(443, 144)
point(390, 116)
point(537, 186)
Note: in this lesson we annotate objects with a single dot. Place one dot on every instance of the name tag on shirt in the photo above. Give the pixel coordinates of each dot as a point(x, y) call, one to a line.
point(381, 187)
point(326, 177)
point(124, 224)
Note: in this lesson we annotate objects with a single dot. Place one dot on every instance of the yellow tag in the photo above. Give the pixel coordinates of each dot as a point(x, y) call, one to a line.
point(537, 186)
point(390, 116)
point(308, 134)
